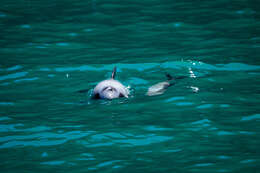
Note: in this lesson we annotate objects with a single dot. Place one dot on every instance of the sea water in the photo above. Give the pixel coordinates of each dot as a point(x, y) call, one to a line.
point(209, 121)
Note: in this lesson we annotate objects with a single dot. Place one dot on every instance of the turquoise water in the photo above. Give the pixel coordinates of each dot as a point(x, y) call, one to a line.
point(206, 122)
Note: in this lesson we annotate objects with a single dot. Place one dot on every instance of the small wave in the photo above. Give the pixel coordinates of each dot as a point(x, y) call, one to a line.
point(174, 99)
point(203, 164)
point(26, 26)
point(224, 133)
point(17, 67)
point(223, 157)
point(224, 105)
point(144, 141)
point(107, 163)
point(172, 151)
point(13, 76)
point(184, 103)
point(4, 118)
point(27, 79)
point(39, 139)
point(204, 121)
point(2, 15)
point(250, 117)
point(6, 103)
point(248, 161)
point(57, 162)
point(166, 65)
point(62, 44)
point(155, 128)
point(204, 106)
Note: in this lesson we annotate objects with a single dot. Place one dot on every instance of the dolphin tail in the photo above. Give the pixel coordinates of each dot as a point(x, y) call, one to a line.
point(169, 77)
point(172, 80)
point(113, 73)
point(181, 77)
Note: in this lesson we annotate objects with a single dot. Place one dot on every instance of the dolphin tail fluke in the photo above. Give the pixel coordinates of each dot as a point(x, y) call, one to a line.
point(181, 77)
point(113, 73)
point(169, 77)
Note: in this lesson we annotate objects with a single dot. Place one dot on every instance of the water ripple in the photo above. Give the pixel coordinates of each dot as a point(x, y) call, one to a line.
point(6, 103)
point(224, 133)
point(145, 141)
point(17, 67)
point(184, 103)
point(202, 122)
point(203, 164)
point(2, 15)
point(4, 118)
point(155, 128)
point(57, 162)
point(250, 117)
point(40, 139)
point(174, 99)
point(171, 65)
point(205, 106)
point(223, 157)
point(27, 79)
point(13, 76)
point(107, 163)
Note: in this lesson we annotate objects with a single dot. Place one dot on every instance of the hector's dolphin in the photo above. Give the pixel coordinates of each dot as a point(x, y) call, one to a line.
point(110, 88)
point(160, 88)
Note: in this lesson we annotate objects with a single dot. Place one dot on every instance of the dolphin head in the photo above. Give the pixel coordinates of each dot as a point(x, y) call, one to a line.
point(110, 88)
point(109, 92)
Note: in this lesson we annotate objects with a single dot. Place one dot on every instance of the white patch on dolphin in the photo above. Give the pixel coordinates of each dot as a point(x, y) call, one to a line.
point(110, 88)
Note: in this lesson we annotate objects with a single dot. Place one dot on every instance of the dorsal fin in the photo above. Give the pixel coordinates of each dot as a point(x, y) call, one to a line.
point(113, 73)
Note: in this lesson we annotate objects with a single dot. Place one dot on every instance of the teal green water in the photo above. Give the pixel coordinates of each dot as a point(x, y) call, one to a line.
point(207, 122)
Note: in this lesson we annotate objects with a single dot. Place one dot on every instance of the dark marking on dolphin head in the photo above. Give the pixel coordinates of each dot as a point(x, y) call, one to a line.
point(110, 92)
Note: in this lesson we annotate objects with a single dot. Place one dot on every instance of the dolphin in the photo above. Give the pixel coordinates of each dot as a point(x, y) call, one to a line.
point(160, 87)
point(110, 88)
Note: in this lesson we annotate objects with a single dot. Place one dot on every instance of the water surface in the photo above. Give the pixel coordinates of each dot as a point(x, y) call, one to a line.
point(206, 122)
